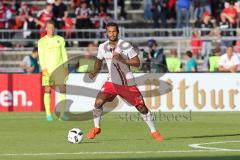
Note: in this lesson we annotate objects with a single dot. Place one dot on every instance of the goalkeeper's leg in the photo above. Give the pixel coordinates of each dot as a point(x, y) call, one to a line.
point(47, 102)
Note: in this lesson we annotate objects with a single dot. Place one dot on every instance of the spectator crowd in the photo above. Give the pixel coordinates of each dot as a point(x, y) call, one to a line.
point(217, 61)
point(207, 18)
point(214, 17)
point(16, 15)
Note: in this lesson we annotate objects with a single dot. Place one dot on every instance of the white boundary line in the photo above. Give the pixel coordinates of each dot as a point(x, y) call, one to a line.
point(109, 153)
point(200, 146)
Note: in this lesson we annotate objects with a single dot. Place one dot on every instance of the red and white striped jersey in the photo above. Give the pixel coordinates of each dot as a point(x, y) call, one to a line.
point(119, 73)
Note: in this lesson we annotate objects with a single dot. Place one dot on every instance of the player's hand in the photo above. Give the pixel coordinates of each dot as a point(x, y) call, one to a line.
point(91, 75)
point(118, 57)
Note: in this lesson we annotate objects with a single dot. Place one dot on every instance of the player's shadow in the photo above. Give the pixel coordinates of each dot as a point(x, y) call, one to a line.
point(161, 158)
point(205, 136)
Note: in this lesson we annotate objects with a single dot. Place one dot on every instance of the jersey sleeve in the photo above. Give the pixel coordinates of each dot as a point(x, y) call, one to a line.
point(64, 53)
point(99, 53)
point(131, 52)
point(127, 49)
point(41, 55)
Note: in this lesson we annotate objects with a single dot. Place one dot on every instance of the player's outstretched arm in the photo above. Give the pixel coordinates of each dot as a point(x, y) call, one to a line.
point(97, 68)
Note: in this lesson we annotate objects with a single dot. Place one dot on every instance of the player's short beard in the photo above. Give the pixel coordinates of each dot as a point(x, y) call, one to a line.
point(113, 40)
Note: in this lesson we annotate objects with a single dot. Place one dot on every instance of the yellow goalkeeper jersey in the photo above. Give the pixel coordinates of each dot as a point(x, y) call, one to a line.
point(52, 53)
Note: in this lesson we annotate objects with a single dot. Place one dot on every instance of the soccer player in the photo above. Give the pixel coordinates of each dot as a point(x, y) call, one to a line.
point(53, 58)
point(119, 55)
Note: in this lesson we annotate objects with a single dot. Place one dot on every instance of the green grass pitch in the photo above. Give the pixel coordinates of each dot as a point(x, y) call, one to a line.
point(27, 136)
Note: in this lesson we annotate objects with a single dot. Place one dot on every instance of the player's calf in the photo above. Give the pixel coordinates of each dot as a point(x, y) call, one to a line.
point(97, 112)
point(47, 103)
point(148, 118)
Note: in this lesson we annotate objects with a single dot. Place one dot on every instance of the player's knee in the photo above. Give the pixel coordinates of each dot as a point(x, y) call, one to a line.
point(98, 103)
point(142, 109)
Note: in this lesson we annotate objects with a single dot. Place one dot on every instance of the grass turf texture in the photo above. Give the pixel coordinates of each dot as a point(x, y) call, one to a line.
point(30, 133)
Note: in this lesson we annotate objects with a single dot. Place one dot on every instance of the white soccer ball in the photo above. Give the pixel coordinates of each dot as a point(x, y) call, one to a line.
point(75, 136)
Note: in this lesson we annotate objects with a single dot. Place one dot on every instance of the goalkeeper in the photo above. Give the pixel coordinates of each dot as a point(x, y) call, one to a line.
point(53, 62)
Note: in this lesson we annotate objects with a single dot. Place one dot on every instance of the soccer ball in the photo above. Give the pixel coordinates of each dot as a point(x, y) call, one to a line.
point(75, 136)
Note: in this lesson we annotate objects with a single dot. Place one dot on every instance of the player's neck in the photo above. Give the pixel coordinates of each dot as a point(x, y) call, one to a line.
point(50, 35)
point(113, 43)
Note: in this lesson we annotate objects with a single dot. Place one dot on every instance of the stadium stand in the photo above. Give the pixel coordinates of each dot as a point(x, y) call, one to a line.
point(22, 22)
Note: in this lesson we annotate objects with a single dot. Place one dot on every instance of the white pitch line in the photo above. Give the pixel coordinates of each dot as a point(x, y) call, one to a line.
point(117, 152)
point(200, 146)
